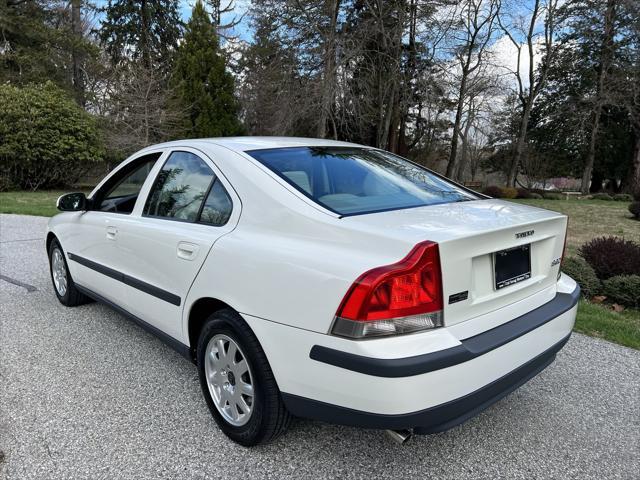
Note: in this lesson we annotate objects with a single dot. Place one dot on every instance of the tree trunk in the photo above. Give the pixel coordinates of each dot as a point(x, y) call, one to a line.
point(596, 182)
point(464, 154)
point(383, 137)
point(634, 176)
point(76, 52)
point(522, 139)
point(332, 8)
point(591, 152)
point(603, 67)
point(392, 144)
point(408, 75)
point(452, 165)
point(144, 34)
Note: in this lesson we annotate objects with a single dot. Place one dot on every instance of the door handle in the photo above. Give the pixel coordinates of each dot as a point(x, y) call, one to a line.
point(187, 251)
point(112, 232)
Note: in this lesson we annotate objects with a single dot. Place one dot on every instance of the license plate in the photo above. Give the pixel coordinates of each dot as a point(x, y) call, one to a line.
point(512, 265)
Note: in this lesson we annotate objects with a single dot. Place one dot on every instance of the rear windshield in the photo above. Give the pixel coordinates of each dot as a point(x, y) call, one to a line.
point(351, 181)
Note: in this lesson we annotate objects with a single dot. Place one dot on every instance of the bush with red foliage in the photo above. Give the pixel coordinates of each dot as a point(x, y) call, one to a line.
point(611, 256)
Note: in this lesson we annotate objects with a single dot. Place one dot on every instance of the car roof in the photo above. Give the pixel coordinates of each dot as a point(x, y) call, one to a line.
point(243, 144)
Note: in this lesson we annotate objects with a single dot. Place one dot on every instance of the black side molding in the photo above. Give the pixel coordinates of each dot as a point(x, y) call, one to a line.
point(127, 280)
point(431, 420)
point(178, 346)
point(469, 349)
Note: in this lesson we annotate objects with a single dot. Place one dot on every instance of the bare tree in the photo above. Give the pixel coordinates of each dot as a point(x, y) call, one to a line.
point(318, 21)
point(137, 108)
point(370, 71)
point(477, 27)
point(478, 109)
point(221, 9)
point(516, 27)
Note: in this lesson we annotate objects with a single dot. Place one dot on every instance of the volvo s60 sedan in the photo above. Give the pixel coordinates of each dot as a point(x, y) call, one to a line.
point(320, 279)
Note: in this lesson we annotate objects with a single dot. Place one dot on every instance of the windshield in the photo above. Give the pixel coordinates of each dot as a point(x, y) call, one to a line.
point(351, 181)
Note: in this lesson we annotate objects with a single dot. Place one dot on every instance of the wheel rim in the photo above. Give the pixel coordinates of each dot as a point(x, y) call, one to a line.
point(59, 272)
point(229, 380)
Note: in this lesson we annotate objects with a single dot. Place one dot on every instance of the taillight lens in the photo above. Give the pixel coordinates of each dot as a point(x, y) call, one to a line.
point(400, 298)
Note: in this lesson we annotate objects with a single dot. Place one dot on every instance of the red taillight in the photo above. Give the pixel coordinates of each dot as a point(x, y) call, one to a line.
point(398, 298)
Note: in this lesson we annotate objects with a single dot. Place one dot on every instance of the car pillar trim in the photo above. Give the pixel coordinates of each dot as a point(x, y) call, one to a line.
point(468, 349)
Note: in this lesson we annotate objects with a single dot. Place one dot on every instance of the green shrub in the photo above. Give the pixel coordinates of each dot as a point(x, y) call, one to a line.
point(602, 196)
point(509, 192)
point(578, 269)
point(623, 289)
point(493, 191)
point(622, 197)
point(634, 208)
point(535, 195)
point(612, 256)
point(46, 140)
point(553, 196)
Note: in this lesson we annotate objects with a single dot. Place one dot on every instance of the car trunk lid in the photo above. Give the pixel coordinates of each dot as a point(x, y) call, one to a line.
point(470, 234)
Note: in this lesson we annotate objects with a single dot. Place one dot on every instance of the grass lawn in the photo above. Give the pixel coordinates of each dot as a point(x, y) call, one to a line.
point(587, 219)
point(599, 321)
point(30, 203)
point(592, 218)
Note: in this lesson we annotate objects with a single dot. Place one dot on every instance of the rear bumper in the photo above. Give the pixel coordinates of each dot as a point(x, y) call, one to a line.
point(431, 420)
point(428, 381)
point(467, 350)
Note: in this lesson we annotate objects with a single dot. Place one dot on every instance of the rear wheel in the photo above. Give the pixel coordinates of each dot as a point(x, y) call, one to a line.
point(63, 284)
point(237, 382)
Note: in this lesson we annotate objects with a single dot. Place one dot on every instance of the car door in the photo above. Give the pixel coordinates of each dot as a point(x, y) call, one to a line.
point(164, 243)
point(91, 243)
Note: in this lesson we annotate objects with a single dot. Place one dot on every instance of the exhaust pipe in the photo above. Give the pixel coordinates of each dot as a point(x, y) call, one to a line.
point(399, 436)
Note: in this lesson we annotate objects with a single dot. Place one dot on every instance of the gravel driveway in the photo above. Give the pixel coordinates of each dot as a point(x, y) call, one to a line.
point(84, 393)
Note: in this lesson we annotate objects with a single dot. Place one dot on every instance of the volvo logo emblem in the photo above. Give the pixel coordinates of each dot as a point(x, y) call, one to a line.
point(528, 233)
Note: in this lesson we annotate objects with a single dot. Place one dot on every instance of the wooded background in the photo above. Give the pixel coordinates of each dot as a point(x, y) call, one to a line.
point(529, 89)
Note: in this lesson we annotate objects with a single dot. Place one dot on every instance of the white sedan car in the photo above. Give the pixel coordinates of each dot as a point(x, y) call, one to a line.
point(320, 279)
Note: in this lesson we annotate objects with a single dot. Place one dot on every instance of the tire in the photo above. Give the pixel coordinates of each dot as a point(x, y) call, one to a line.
point(70, 296)
point(268, 417)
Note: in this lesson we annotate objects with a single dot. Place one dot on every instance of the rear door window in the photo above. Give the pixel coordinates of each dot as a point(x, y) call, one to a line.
point(180, 188)
point(186, 189)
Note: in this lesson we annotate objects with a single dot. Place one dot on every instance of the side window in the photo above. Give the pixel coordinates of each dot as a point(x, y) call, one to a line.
point(217, 208)
point(180, 188)
point(120, 193)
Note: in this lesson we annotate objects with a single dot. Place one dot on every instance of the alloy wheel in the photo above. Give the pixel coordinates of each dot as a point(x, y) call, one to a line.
point(229, 380)
point(59, 272)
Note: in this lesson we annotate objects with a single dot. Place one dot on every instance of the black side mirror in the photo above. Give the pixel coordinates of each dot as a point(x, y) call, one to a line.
point(72, 202)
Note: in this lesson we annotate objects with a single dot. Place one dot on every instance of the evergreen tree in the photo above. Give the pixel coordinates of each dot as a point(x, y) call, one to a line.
point(581, 120)
point(37, 45)
point(203, 86)
point(140, 39)
point(146, 30)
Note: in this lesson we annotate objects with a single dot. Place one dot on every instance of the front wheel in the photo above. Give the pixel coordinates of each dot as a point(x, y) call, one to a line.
point(237, 381)
point(63, 284)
